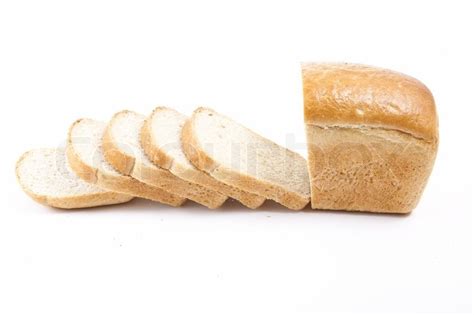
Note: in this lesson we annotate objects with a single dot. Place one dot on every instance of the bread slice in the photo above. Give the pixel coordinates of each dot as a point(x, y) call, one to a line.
point(86, 158)
point(123, 151)
point(239, 157)
point(161, 141)
point(45, 176)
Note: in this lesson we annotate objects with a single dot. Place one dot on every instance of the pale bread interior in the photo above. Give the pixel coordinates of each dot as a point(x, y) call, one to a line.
point(126, 136)
point(166, 126)
point(124, 131)
point(44, 175)
point(46, 172)
point(235, 147)
point(86, 145)
point(86, 141)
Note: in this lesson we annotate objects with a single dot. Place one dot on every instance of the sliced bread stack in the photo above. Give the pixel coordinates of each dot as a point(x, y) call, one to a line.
point(372, 137)
point(123, 151)
point(161, 139)
point(166, 157)
point(237, 156)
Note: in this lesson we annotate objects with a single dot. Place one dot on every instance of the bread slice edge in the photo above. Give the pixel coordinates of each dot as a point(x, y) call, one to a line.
point(73, 201)
point(160, 158)
point(156, 176)
point(195, 153)
point(120, 184)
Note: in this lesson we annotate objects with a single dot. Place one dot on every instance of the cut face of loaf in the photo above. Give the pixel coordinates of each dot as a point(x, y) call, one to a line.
point(161, 140)
point(86, 157)
point(123, 151)
point(239, 157)
point(372, 137)
point(45, 176)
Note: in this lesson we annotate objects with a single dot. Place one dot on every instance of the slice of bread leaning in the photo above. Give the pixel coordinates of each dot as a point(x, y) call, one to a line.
point(237, 156)
point(161, 141)
point(86, 158)
point(123, 151)
point(45, 176)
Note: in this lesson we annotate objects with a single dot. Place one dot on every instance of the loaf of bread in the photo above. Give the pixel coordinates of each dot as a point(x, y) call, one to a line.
point(372, 137)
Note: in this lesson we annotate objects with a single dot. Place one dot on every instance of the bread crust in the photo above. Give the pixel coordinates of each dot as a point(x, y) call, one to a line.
point(123, 163)
point(195, 153)
point(345, 95)
point(161, 158)
point(372, 137)
point(156, 176)
point(74, 201)
point(116, 183)
point(157, 156)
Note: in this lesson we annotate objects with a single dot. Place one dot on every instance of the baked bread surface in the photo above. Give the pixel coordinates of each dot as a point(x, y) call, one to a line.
point(372, 137)
point(357, 95)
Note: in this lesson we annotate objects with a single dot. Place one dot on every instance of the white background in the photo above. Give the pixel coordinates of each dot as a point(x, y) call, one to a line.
point(62, 60)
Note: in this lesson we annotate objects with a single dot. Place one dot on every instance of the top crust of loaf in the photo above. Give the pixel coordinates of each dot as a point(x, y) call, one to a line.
point(345, 95)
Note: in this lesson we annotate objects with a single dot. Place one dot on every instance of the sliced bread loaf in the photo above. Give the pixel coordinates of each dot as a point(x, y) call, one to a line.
point(45, 176)
point(86, 158)
point(161, 141)
point(372, 137)
point(237, 156)
point(123, 151)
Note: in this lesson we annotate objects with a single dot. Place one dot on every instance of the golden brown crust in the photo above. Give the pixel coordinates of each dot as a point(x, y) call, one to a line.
point(201, 160)
point(82, 170)
point(131, 186)
point(117, 183)
point(348, 95)
point(80, 201)
point(87, 201)
point(123, 163)
point(153, 152)
point(156, 176)
point(372, 137)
